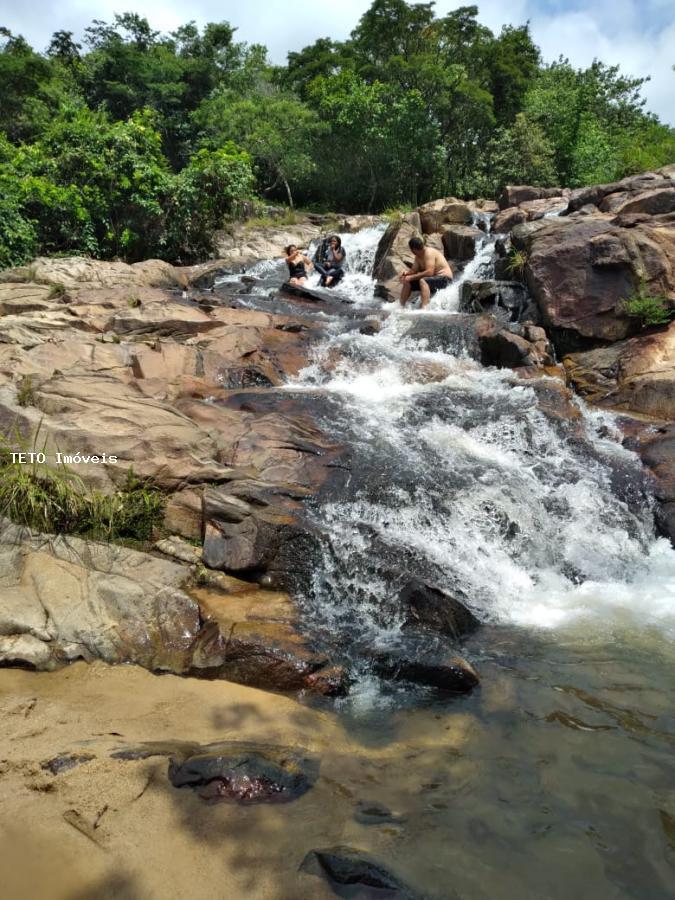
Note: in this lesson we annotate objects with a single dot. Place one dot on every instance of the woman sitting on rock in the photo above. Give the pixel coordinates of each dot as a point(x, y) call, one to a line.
point(331, 271)
point(297, 265)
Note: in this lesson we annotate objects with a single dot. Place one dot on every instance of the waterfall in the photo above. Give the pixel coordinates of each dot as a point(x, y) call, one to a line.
point(461, 478)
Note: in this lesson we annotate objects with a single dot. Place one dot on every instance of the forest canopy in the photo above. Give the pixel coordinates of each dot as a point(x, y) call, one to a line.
point(135, 143)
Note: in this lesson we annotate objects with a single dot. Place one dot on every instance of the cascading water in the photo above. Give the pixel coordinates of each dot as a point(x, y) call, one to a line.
point(460, 477)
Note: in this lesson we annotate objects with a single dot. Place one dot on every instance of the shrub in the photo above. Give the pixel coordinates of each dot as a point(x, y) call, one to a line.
point(650, 309)
point(515, 263)
point(55, 500)
point(25, 392)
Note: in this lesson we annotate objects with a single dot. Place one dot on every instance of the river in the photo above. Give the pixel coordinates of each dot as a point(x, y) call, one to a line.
point(562, 784)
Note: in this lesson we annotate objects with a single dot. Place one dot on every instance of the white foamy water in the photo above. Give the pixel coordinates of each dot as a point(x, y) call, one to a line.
point(461, 477)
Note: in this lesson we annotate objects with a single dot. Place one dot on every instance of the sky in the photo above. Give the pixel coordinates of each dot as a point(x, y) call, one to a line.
point(638, 35)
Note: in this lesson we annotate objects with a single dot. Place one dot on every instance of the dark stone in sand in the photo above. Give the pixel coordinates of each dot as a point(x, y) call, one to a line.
point(431, 607)
point(375, 814)
point(65, 761)
point(349, 867)
point(245, 772)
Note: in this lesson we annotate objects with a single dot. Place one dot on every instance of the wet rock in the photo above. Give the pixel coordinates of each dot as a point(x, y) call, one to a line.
point(317, 295)
point(245, 772)
point(655, 444)
point(250, 636)
point(430, 607)
point(484, 296)
point(393, 255)
point(511, 345)
point(636, 374)
point(424, 662)
point(453, 334)
point(350, 867)
point(373, 813)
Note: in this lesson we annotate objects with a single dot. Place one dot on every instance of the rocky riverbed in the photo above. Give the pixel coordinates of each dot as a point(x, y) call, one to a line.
point(410, 523)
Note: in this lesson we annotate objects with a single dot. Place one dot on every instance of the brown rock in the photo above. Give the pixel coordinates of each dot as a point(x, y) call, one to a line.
point(507, 219)
point(444, 212)
point(636, 374)
point(460, 241)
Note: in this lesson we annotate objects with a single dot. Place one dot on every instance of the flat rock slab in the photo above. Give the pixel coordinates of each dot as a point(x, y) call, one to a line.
point(318, 295)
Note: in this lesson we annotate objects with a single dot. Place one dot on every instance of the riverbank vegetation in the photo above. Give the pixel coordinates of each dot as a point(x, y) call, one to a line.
point(135, 143)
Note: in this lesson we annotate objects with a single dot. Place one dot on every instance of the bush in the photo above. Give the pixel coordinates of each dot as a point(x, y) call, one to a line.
point(55, 500)
point(650, 309)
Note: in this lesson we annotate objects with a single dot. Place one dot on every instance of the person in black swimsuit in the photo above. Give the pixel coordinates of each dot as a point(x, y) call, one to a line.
point(297, 265)
point(331, 269)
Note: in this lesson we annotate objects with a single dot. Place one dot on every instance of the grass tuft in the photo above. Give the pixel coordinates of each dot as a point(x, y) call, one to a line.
point(55, 500)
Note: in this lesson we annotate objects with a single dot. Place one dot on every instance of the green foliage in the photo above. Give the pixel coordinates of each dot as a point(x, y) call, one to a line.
point(207, 190)
point(55, 500)
point(138, 143)
point(650, 309)
point(515, 263)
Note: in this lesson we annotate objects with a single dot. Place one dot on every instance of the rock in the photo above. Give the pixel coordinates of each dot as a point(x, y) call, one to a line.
point(183, 514)
point(65, 598)
point(488, 296)
point(375, 814)
point(423, 662)
point(580, 270)
point(461, 241)
point(74, 271)
point(454, 333)
point(515, 194)
point(245, 772)
point(655, 444)
point(507, 219)
point(65, 761)
point(250, 637)
point(245, 244)
point(351, 867)
point(95, 414)
point(352, 224)
point(627, 188)
point(393, 254)
point(433, 216)
point(637, 374)
point(428, 606)
point(506, 345)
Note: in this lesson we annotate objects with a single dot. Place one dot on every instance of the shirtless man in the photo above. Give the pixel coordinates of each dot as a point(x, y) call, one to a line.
point(430, 273)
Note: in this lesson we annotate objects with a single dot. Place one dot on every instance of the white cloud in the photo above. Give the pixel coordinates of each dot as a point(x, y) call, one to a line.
point(639, 36)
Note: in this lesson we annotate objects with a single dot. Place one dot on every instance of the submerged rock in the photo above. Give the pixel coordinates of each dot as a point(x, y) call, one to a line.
point(350, 867)
point(429, 667)
point(245, 772)
point(430, 607)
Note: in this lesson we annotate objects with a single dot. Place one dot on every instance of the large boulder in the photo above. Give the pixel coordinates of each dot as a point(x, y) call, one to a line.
point(446, 211)
point(515, 194)
point(612, 197)
point(461, 241)
point(580, 270)
point(507, 219)
point(655, 445)
point(393, 254)
point(637, 374)
point(511, 345)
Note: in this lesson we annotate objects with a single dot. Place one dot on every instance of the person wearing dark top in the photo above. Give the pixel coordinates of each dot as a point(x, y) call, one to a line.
point(297, 265)
point(331, 270)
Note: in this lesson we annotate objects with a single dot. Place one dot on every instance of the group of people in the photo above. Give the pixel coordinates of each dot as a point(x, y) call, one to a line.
point(430, 271)
point(328, 262)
